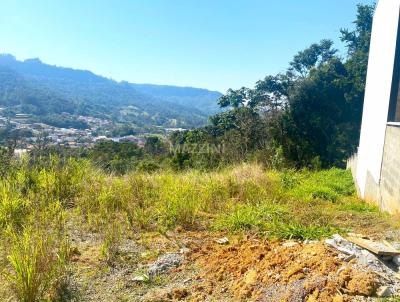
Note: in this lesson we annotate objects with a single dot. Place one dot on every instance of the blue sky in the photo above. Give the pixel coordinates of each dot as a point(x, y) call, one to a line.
point(214, 44)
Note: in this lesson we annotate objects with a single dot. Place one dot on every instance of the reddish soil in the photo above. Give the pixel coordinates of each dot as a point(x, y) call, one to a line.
point(258, 270)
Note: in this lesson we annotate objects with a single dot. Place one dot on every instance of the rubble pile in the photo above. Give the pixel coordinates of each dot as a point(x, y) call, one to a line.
point(384, 266)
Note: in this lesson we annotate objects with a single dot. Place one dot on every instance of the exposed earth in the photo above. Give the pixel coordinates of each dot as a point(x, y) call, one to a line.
point(193, 266)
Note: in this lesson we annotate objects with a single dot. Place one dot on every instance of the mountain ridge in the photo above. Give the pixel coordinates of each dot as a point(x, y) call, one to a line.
point(141, 104)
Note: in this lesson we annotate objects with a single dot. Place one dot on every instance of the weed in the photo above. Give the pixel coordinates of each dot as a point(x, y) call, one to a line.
point(250, 217)
point(358, 206)
point(36, 259)
point(299, 231)
point(112, 235)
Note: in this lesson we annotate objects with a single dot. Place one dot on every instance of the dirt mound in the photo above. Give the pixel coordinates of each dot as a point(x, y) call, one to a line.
point(275, 271)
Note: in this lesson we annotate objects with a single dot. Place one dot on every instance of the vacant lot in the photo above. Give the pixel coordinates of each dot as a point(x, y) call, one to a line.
point(70, 232)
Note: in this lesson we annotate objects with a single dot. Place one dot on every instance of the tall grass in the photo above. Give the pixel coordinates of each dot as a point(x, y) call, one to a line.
point(36, 259)
point(34, 200)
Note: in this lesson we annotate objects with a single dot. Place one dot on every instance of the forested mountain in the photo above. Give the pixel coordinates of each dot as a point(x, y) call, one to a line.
point(201, 99)
point(40, 89)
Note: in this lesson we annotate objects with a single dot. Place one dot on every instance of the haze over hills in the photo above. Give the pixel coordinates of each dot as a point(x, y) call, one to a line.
point(46, 91)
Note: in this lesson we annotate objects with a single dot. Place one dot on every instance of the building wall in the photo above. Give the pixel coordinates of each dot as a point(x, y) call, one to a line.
point(377, 92)
point(397, 115)
point(390, 174)
point(386, 191)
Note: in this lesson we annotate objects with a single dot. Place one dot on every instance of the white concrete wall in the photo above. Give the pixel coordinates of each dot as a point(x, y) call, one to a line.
point(377, 93)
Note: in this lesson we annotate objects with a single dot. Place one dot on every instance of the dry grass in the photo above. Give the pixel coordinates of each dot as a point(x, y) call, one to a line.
point(241, 199)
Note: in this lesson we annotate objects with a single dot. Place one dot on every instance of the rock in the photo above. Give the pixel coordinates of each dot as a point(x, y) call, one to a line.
point(223, 240)
point(289, 244)
point(396, 260)
point(184, 250)
point(164, 263)
point(384, 291)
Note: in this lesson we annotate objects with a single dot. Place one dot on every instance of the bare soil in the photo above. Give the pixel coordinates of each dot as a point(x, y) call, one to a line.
point(245, 269)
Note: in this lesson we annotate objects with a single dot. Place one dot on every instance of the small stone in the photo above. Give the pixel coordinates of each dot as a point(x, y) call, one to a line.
point(184, 250)
point(384, 291)
point(164, 263)
point(306, 270)
point(223, 240)
point(289, 244)
point(140, 278)
point(396, 260)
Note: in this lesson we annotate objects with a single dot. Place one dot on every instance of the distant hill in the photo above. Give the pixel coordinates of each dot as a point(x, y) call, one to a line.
point(202, 99)
point(43, 90)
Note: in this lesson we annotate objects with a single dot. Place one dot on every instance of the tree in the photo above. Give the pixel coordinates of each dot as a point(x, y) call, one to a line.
point(310, 114)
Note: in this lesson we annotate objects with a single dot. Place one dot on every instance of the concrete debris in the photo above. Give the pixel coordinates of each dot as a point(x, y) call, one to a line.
point(336, 242)
point(223, 240)
point(384, 291)
point(350, 257)
point(164, 263)
point(383, 266)
point(378, 248)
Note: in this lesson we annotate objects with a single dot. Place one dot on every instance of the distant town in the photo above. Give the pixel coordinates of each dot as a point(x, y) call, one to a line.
point(69, 137)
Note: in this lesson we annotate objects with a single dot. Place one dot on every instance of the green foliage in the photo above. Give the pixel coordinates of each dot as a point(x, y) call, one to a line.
point(299, 231)
point(310, 114)
point(37, 259)
point(357, 206)
point(112, 237)
point(329, 185)
point(244, 217)
point(39, 194)
point(116, 157)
